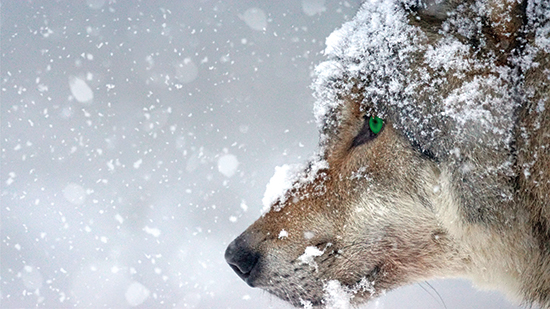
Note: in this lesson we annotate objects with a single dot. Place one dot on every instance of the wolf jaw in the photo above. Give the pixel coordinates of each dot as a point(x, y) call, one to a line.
point(455, 184)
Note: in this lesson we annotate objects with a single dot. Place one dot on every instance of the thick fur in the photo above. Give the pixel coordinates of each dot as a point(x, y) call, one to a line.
point(457, 183)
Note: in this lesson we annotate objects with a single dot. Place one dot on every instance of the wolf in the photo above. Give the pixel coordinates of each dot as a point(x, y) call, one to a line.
point(433, 160)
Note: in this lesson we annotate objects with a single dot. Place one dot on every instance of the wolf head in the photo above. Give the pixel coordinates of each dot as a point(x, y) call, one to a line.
point(366, 222)
point(418, 106)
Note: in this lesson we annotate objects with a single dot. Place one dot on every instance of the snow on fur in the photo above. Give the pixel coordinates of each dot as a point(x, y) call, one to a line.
point(288, 177)
point(310, 253)
point(338, 296)
point(378, 52)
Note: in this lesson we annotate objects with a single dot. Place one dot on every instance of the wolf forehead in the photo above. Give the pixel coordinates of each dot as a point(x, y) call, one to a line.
point(443, 86)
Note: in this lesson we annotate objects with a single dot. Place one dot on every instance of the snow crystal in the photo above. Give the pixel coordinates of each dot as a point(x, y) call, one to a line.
point(542, 35)
point(227, 165)
point(540, 107)
point(255, 18)
point(337, 296)
point(10, 180)
point(74, 193)
point(119, 218)
point(243, 205)
point(80, 90)
point(152, 231)
point(283, 234)
point(449, 54)
point(137, 164)
point(309, 256)
point(313, 7)
point(136, 294)
point(186, 71)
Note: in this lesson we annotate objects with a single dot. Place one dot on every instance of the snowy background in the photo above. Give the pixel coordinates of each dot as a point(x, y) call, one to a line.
point(137, 140)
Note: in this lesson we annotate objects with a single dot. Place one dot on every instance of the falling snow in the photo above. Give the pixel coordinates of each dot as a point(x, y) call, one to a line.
point(255, 18)
point(80, 90)
point(137, 140)
point(186, 71)
point(136, 294)
point(74, 193)
point(227, 165)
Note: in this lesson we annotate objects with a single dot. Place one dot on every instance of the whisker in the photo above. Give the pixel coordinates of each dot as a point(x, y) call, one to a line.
point(439, 299)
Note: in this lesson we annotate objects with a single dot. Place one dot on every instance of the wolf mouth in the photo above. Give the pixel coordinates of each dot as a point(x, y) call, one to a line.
point(361, 289)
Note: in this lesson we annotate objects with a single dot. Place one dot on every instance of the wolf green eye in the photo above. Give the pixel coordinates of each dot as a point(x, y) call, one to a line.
point(371, 127)
point(375, 124)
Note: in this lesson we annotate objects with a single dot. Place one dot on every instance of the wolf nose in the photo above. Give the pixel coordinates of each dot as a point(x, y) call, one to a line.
point(242, 259)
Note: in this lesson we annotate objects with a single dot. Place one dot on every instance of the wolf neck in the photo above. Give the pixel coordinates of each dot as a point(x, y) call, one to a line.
point(497, 259)
point(510, 250)
point(494, 253)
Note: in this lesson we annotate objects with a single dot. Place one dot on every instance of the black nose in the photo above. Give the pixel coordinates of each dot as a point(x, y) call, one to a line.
point(243, 259)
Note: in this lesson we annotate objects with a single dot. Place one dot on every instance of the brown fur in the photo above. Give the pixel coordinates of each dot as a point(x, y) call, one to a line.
point(405, 207)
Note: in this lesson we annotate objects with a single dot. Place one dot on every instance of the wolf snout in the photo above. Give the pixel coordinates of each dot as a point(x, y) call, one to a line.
point(243, 259)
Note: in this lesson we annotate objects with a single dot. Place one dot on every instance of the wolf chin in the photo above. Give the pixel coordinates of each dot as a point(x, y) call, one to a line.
point(434, 159)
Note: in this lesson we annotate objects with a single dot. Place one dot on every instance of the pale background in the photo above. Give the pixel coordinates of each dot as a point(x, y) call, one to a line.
point(137, 139)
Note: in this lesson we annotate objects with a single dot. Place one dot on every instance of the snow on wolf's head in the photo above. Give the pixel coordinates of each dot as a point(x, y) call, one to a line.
point(418, 107)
